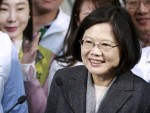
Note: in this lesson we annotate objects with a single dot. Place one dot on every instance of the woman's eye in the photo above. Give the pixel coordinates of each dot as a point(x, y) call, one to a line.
point(20, 9)
point(88, 42)
point(3, 9)
point(106, 44)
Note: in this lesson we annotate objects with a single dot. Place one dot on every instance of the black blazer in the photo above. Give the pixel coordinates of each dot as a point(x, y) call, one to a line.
point(128, 93)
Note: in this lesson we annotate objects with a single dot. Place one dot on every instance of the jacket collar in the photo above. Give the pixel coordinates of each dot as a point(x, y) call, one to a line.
point(148, 54)
point(117, 96)
point(77, 84)
point(145, 54)
point(58, 24)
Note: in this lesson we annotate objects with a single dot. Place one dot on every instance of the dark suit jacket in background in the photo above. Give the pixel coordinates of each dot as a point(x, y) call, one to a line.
point(128, 93)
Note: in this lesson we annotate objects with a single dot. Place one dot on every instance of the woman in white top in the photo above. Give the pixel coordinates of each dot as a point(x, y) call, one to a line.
point(16, 21)
point(11, 79)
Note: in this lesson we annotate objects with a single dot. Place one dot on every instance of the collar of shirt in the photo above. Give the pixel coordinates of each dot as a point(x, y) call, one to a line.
point(146, 53)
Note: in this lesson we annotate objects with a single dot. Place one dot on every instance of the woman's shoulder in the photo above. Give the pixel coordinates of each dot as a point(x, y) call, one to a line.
point(56, 65)
point(4, 37)
point(74, 71)
point(5, 56)
point(141, 83)
point(134, 80)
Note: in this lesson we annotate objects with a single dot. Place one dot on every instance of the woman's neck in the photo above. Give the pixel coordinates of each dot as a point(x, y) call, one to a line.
point(102, 80)
point(18, 44)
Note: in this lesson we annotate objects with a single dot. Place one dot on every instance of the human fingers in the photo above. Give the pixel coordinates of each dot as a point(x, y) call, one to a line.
point(35, 42)
point(26, 46)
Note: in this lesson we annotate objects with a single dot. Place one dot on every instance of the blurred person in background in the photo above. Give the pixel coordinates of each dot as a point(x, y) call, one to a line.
point(16, 21)
point(37, 52)
point(140, 13)
point(11, 78)
point(15, 16)
point(52, 23)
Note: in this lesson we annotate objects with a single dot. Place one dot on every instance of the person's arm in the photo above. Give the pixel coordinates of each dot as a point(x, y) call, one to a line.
point(14, 87)
point(37, 99)
point(36, 93)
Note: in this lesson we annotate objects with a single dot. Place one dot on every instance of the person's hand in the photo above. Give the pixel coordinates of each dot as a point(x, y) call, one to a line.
point(30, 49)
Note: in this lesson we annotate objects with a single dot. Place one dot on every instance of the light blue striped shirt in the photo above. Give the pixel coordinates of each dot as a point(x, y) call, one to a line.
point(14, 86)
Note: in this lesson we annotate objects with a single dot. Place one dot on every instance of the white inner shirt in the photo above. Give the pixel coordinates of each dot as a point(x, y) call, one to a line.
point(100, 92)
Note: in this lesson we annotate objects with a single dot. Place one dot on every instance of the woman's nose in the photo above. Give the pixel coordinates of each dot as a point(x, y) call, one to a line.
point(142, 9)
point(12, 17)
point(96, 51)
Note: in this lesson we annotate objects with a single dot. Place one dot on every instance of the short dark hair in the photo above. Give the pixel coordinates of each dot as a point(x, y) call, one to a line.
point(124, 30)
point(66, 57)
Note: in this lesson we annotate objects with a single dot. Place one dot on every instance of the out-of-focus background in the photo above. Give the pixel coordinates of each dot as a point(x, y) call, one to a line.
point(67, 5)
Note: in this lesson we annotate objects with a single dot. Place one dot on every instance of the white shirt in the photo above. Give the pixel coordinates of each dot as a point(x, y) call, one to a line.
point(100, 93)
point(5, 63)
point(142, 69)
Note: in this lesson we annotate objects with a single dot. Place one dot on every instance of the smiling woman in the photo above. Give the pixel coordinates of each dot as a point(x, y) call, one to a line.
point(14, 17)
point(16, 21)
point(100, 59)
point(107, 43)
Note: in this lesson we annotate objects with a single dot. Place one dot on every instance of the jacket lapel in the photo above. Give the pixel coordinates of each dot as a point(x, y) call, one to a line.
point(118, 94)
point(77, 92)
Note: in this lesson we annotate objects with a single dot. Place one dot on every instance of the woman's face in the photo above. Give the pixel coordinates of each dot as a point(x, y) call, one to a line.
point(100, 61)
point(86, 9)
point(14, 16)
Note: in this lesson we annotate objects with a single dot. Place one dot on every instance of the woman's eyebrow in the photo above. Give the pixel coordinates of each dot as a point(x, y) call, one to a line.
point(21, 3)
point(7, 4)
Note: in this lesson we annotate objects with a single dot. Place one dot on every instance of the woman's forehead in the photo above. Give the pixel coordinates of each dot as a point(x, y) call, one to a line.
point(16, 2)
